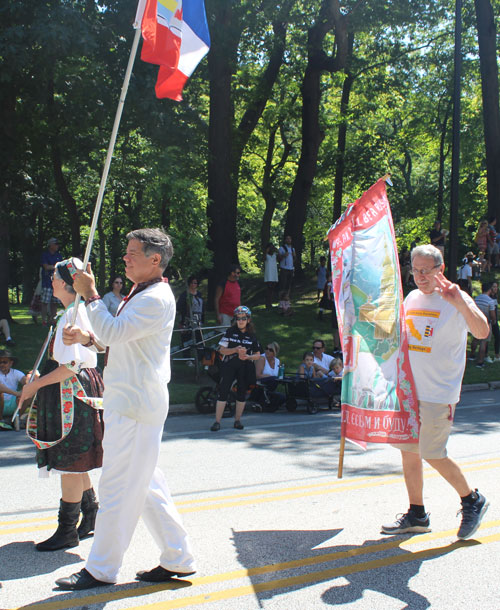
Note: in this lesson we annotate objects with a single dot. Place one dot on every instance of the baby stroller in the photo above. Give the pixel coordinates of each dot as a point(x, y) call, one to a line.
point(206, 397)
point(311, 391)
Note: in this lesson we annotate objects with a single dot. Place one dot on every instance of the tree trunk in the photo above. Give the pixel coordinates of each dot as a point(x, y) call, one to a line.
point(103, 280)
point(4, 269)
point(491, 114)
point(59, 178)
point(269, 176)
point(442, 158)
point(342, 134)
point(221, 208)
point(225, 143)
point(329, 19)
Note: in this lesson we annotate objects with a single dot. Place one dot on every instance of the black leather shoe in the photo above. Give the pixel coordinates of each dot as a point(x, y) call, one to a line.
point(81, 580)
point(160, 574)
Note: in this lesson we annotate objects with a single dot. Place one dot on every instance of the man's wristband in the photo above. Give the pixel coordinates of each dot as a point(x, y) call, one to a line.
point(96, 297)
point(91, 340)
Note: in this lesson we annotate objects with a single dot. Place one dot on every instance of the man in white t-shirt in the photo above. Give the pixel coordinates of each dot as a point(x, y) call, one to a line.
point(321, 360)
point(438, 316)
point(10, 380)
point(286, 258)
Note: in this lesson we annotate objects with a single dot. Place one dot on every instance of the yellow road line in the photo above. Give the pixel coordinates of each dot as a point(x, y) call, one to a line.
point(337, 482)
point(308, 578)
point(283, 566)
point(278, 495)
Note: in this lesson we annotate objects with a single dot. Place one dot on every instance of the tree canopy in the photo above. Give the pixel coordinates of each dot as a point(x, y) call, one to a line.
point(298, 108)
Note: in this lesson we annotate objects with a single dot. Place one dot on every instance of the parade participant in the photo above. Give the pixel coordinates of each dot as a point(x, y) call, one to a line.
point(10, 380)
point(438, 317)
point(135, 408)
point(69, 425)
point(240, 349)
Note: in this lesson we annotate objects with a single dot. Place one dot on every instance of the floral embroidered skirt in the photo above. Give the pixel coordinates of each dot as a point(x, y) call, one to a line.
point(81, 450)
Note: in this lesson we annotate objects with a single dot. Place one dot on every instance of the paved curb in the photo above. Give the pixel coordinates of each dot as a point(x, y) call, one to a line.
point(190, 409)
point(182, 409)
point(472, 387)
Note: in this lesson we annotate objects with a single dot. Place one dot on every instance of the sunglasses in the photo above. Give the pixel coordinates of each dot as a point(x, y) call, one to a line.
point(269, 349)
point(240, 318)
point(317, 347)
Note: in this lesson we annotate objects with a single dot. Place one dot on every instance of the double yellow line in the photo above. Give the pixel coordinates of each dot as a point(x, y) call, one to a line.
point(307, 578)
point(262, 496)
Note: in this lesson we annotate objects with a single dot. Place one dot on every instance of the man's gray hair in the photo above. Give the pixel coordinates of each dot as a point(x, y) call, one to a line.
point(154, 241)
point(67, 287)
point(430, 251)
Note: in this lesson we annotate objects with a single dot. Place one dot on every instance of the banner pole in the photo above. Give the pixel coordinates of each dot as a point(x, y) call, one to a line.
point(109, 156)
point(341, 457)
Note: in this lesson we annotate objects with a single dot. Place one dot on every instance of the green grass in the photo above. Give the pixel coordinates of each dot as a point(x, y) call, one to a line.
point(294, 335)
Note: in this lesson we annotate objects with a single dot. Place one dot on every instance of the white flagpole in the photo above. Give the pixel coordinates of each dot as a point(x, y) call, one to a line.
point(109, 156)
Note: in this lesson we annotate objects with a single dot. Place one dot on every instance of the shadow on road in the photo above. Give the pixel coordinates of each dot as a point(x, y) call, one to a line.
point(100, 598)
point(20, 560)
point(294, 562)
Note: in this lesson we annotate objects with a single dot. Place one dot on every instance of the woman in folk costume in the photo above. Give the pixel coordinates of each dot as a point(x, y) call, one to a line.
point(66, 424)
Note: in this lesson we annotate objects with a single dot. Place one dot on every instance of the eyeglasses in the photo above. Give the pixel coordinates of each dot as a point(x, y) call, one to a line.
point(414, 271)
point(269, 349)
point(240, 318)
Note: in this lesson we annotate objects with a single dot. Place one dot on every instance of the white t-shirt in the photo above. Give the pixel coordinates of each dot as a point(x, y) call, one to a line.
point(465, 272)
point(12, 379)
point(324, 362)
point(287, 253)
point(437, 341)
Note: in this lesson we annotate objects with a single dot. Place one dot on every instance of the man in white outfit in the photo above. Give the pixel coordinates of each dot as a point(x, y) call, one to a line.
point(135, 408)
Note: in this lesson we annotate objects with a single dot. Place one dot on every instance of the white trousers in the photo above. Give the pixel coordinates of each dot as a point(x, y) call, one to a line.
point(132, 485)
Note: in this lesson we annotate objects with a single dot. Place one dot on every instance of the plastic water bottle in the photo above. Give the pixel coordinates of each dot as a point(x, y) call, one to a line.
point(281, 371)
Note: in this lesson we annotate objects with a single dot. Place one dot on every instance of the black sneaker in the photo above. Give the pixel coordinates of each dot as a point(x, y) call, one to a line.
point(238, 425)
point(471, 516)
point(215, 427)
point(408, 522)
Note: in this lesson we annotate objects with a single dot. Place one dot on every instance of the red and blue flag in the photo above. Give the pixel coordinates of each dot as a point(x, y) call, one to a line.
point(176, 38)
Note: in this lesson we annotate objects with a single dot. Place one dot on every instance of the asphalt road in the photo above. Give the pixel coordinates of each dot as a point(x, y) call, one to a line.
point(271, 524)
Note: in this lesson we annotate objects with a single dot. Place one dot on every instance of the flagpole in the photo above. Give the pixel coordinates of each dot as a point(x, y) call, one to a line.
point(109, 156)
point(340, 469)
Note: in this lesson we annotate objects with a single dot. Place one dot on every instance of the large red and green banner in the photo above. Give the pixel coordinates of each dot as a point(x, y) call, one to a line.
point(379, 403)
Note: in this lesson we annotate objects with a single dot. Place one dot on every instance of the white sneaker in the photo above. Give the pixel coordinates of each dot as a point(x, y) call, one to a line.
point(488, 360)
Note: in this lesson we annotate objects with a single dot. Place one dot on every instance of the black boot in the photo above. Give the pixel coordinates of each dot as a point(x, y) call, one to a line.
point(65, 536)
point(90, 506)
